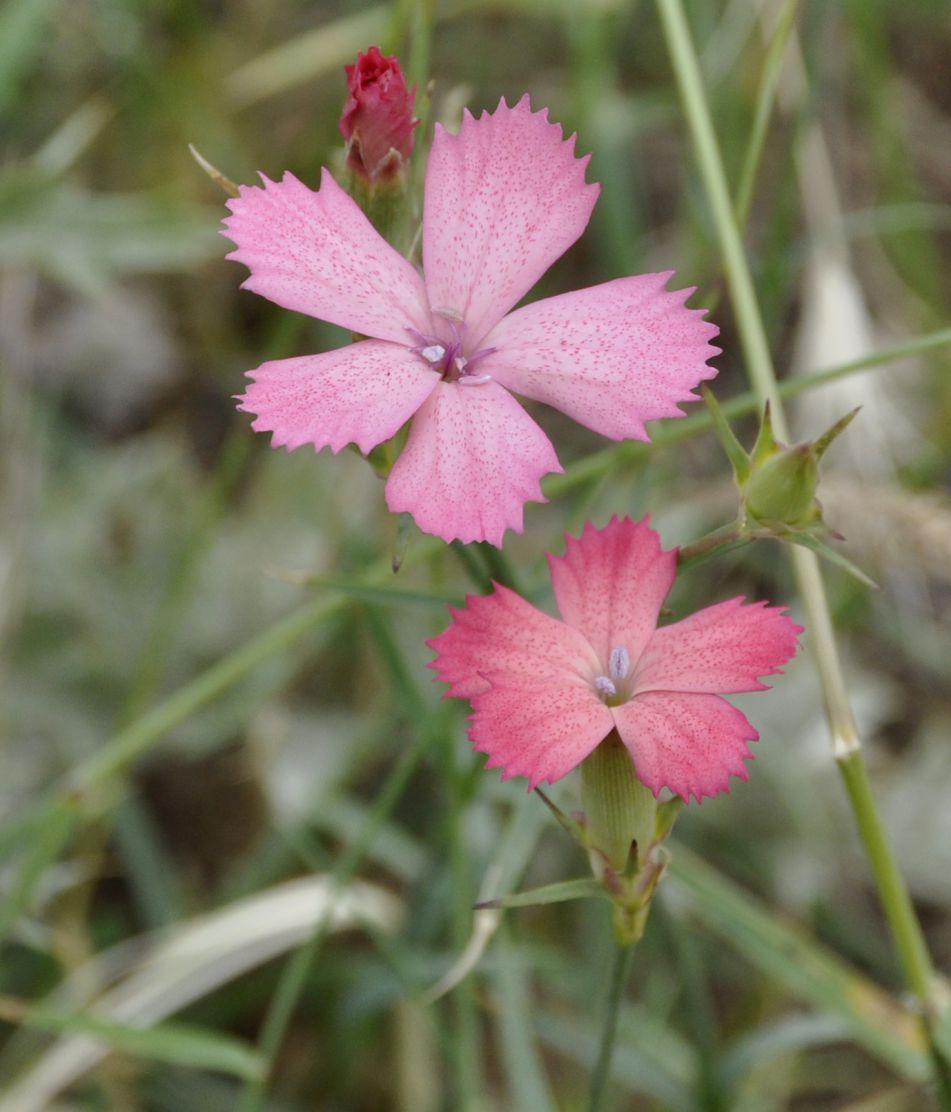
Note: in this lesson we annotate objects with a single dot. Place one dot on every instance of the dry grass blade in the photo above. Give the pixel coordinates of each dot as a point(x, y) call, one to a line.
point(193, 960)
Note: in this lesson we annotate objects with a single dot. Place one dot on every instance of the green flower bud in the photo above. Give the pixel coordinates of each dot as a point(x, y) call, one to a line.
point(780, 485)
point(783, 489)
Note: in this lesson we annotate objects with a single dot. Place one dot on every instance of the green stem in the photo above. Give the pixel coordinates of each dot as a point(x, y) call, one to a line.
point(896, 902)
point(717, 543)
point(753, 341)
point(464, 1035)
point(914, 955)
point(623, 960)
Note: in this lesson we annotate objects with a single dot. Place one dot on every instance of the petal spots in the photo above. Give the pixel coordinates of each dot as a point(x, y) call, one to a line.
point(611, 356)
point(723, 648)
point(539, 728)
point(504, 199)
point(691, 744)
point(317, 253)
point(473, 459)
point(544, 693)
point(610, 585)
point(501, 633)
point(361, 394)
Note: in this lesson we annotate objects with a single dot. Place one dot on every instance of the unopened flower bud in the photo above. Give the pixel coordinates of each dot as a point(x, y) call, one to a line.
point(780, 484)
point(784, 487)
point(377, 120)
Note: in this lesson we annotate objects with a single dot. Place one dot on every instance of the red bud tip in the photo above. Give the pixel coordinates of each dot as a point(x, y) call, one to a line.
point(377, 119)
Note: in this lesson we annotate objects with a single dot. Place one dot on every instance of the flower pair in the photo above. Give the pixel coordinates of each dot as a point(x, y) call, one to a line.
point(503, 200)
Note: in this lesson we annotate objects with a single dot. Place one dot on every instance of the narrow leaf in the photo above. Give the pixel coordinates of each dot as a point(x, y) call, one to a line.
point(815, 544)
point(581, 889)
point(733, 448)
point(178, 1043)
point(877, 1021)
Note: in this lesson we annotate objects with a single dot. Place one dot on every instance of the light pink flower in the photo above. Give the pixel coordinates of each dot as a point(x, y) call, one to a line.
point(504, 198)
point(545, 693)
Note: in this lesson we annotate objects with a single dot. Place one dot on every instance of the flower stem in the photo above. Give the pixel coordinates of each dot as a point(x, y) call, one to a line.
point(906, 930)
point(623, 960)
point(722, 540)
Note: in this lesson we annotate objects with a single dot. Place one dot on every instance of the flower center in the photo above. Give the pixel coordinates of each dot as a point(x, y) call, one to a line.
point(611, 687)
point(446, 355)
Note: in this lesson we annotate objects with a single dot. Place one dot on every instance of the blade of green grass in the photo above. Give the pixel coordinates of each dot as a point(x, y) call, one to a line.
point(527, 1086)
point(306, 57)
point(765, 99)
point(60, 823)
point(23, 32)
point(178, 1043)
point(875, 1020)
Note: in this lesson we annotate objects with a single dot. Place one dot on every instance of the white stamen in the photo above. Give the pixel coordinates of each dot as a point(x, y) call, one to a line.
point(474, 380)
point(604, 686)
point(619, 663)
point(434, 354)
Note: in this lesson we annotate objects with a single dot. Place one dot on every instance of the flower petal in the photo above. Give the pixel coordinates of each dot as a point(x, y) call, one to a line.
point(361, 393)
point(539, 728)
point(691, 744)
point(610, 585)
point(611, 356)
point(317, 253)
point(473, 459)
point(722, 648)
point(504, 199)
point(502, 633)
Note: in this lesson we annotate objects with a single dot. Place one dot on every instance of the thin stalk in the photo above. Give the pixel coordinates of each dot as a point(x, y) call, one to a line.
point(906, 930)
point(725, 539)
point(772, 68)
point(623, 960)
point(465, 1031)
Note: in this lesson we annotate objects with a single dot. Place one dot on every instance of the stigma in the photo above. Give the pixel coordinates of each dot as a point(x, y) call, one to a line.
point(619, 664)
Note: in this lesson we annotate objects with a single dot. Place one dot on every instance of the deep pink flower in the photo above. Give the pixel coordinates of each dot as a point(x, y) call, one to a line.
point(504, 198)
point(545, 693)
point(377, 118)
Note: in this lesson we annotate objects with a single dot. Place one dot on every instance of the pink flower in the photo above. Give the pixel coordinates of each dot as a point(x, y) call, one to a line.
point(377, 119)
point(545, 693)
point(504, 198)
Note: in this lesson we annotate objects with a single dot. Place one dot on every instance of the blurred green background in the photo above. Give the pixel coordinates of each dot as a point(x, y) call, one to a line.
point(204, 646)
